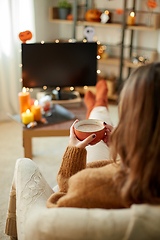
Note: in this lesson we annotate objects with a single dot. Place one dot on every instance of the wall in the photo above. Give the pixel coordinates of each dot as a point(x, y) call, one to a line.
point(47, 31)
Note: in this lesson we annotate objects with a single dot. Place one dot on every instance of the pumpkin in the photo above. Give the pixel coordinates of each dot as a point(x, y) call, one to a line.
point(70, 17)
point(93, 15)
point(152, 4)
point(119, 11)
point(24, 36)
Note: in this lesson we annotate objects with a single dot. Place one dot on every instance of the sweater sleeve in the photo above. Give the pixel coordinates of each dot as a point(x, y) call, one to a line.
point(74, 160)
point(91, 188)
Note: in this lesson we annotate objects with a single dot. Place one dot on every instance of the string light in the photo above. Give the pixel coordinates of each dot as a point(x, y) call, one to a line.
point(44, 87)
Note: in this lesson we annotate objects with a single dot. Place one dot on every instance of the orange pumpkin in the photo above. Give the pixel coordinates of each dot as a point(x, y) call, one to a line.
point(24, 36)
point(152, 4)
point(70, 17)
point(119, 11)
point(93, 15)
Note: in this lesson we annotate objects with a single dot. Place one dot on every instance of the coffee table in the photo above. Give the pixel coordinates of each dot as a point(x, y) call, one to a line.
point(58, 129)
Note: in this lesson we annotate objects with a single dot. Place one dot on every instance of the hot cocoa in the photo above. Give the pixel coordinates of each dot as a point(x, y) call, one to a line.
point(89, 127)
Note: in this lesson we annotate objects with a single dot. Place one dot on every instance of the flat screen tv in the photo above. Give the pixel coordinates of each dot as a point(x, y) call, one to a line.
point(59, 64)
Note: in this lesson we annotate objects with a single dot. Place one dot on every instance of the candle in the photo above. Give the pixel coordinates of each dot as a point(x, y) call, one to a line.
point(24, 100)
point(36, 110)
point(131, 19)
point(27, 117)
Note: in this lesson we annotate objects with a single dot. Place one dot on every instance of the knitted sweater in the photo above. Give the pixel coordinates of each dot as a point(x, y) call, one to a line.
point(84, 185)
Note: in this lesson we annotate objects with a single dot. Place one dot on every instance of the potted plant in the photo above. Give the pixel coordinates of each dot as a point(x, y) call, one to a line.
point(64, 8)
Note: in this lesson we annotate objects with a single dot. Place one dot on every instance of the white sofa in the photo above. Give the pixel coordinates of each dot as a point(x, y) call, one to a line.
point(29, 218)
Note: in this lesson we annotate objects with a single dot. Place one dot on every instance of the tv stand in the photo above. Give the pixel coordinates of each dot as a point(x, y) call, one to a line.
point(64, 98)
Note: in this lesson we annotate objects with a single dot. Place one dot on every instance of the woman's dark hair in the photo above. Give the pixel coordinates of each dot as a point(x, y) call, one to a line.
point(137, 137)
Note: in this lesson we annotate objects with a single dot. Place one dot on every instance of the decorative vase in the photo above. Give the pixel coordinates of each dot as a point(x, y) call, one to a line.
point(63, 12)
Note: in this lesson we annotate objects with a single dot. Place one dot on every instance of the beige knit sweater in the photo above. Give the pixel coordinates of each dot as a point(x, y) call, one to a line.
point(84, 185)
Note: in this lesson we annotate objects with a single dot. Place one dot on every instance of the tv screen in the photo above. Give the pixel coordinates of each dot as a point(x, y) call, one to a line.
point(59, 64)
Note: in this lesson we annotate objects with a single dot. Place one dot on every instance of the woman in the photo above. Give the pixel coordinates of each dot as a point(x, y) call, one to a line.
point(135, 177)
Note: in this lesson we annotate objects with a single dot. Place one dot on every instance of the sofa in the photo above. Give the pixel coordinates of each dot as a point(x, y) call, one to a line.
point(29, 218)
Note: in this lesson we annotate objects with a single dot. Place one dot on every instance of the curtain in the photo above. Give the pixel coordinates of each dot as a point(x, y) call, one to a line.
point(15, 16)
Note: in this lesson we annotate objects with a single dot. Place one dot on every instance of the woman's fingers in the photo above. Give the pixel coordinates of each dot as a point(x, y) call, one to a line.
point(87, 141)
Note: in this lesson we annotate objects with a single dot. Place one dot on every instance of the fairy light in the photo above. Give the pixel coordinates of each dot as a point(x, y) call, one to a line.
point(71, 88)
point(44, 87)
point(42, 42)
point(98, 71)
point(57, 41)
point(85, 87)
point(84, 40)
point(98, 57)
point(20, 65)
point(58, 88)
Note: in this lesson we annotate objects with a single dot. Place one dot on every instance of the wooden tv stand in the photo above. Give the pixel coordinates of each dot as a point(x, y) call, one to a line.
point(58, 129)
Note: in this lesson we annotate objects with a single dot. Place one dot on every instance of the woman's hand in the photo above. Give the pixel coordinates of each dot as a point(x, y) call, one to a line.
point(109, 129)
point(74, 142)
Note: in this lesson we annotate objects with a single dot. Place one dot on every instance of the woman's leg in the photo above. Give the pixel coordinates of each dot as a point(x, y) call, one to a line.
point(97, 108)
point(100, 151)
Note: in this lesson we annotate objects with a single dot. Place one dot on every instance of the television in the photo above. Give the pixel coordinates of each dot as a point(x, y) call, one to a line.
point(59, 64)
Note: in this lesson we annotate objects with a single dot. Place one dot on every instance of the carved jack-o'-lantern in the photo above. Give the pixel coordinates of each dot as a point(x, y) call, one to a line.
point(24, 36)
point(152, 4)
point(93, 15)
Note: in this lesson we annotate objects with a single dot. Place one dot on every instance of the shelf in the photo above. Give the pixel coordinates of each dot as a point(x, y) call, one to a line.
point(116, 61)
point(107, 25)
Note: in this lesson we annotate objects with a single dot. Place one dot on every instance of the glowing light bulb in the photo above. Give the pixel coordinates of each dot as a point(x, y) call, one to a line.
point(98, 71)
point(71, 88)
point(98, 57)
point(85, 87)
point(44, 87)
point(58, 88)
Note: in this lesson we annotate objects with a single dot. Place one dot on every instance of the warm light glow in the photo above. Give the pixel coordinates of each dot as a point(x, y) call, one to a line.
point(44, 87)
point(84, 40)
point(20, 65)
point(85, 87)
point(20, 80)
point(24, 90)
point(98, 57)
point(58, 88)
point(36, 102)
point(42, 42)
point(27, 111)
point(98, 71)
point(57, 40)
point(98, 42)
point(132, 14)
point(71, 88)
point(106, 12)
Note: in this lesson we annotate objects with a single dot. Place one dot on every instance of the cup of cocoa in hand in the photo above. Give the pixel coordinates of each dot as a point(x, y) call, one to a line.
point(85, 128)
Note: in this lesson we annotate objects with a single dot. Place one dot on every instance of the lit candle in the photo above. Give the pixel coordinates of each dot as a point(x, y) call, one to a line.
point(27, 117)
point(24, 100)
point(36, 110)
point(131, 19)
